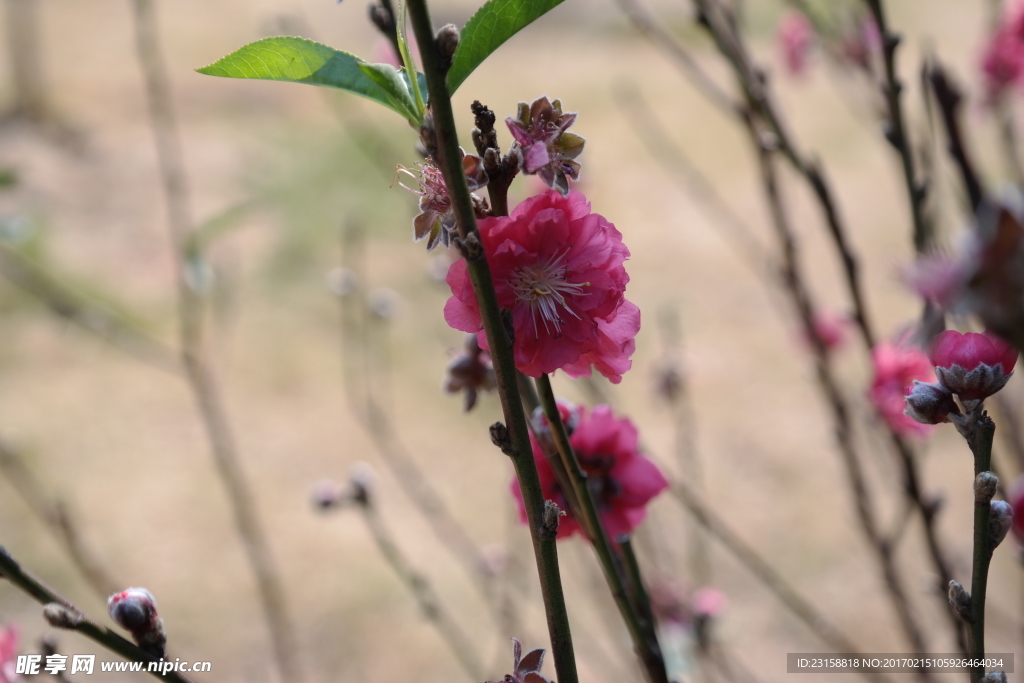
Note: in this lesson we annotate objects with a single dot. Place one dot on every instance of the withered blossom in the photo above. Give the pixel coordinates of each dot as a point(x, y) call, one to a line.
point(525, 669)
point(470, 372)
point(548, 149)
point(436, 220)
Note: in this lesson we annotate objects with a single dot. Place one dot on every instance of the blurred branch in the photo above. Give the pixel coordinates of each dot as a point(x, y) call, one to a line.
point(44, 595)
point(802, 608)
point(77, 308)
point(54, 514)
point(432, 607)
point(896, 130)
point(202, 380)
point(25, 57)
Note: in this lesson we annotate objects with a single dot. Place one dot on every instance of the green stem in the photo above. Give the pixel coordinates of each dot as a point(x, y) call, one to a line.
point(11, 570)
point(647, 648)
point(636, 584)
point(446, 144)
point(980, 440)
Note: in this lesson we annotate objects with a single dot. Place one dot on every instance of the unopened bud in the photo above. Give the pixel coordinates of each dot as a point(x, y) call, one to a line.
point(999, 522)
point(361, 478)
point(960, 601)
point(134, 609)
point(549, 522)
point(61, 616)
point(994, 677)
point(447, 41)
point(327, 494)
point(341, 281)
point(930, 403)
point(985, 485)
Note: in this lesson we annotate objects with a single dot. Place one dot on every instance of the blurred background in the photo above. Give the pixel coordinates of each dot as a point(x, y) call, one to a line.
point(291, 183)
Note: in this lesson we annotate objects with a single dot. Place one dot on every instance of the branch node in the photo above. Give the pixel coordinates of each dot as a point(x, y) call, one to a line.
point(500, 438)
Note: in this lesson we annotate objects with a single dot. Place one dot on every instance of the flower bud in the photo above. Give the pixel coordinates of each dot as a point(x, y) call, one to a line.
point(972, 366)
point(133, 609)
point(447, 41)
point(985, 486)
point(999, 522)
point(327, 494)
point(929, 403)
point(960, 601)
point(994, 677)
point(361, 478)
point(61, 616)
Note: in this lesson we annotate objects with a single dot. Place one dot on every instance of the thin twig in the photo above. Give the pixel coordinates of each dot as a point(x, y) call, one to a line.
point(202, 380)
point(433, 609)
point(13, 572)
point(54, 514)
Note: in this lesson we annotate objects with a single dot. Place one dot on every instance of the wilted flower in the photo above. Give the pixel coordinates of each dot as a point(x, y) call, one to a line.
point(929, 403)
point(525, 669)
point(547, 148)
point(795, 38)
point(436, 220)
point(972, 366)
point(558, 268)
point(470, 372)
point(896, 366)
point(8, 654)
point(621, 480)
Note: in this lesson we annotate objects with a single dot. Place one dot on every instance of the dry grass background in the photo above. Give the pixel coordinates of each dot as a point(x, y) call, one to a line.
point(121, 442)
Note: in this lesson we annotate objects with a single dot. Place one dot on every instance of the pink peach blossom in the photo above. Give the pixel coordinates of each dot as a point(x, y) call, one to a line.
point(559, 269)
point(795, 37)
point(896, 366)
point(622, 479)
point(8, 655)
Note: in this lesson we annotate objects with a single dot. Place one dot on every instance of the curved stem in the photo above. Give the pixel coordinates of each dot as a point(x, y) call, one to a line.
point(11, 570)
point(515, 439)
point(644, 641)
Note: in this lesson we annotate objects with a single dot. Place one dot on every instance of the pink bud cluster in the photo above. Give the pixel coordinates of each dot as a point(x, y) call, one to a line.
point(1002, 59)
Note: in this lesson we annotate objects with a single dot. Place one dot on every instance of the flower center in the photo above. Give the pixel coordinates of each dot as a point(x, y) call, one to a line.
point(543, 290)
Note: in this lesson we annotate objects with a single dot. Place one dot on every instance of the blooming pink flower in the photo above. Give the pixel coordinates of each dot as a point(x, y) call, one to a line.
point(622, 480)
point(896, 367)
point(973, 366)
point(831, 328)
point(558, 268)
point(8, 654)
point(795, 39)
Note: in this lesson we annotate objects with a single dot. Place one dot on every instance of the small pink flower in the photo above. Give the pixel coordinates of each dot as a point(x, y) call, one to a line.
point(861, 43)
point(973, 366)
point(708, 602)
point(833, 329)
point(623, 481)
point(558, 268)
point(896, 367)
point(795, 39)
point(8, 655)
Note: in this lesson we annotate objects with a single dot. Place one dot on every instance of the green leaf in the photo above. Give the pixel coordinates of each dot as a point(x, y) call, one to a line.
point(492, 25)
point(298, 60)
point(396, 88)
